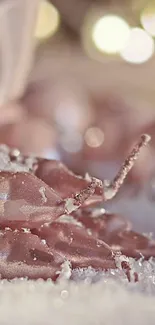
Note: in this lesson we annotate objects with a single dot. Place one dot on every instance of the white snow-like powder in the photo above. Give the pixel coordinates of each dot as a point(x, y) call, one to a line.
point(92, 298)
point(88, 177)
point(17, 165)
point(65, 272)
point(30, 161)
point(42, 191)
point(7, 165)
point(70, 219)
point(70, 206)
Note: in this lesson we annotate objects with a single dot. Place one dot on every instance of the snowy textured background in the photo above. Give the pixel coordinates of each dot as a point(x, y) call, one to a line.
point(97, 299)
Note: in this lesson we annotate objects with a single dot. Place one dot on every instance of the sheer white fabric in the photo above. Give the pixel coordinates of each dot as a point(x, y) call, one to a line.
point(17, 23)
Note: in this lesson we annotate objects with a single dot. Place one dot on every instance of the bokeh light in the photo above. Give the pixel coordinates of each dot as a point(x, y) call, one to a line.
point(110, 34)
point(94, 137)
point(140, 47)
point(148, 19)
point(72, 117)
point(71, 141)
point(47, 21)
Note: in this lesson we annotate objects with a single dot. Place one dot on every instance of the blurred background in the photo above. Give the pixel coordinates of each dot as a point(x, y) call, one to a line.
point(78, 84)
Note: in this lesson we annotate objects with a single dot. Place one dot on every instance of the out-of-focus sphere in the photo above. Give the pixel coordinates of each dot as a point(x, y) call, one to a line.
point(47, 21)
point(148, 19)
point(110, 34)
point(71, 142)
point(140, 47)
point(94, 137)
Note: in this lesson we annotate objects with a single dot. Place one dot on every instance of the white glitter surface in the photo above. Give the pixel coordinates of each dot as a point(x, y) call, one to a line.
point(91, 299)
